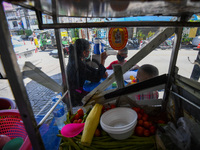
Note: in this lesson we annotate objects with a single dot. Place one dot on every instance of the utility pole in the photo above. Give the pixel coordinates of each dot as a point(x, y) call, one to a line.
point(26, 18)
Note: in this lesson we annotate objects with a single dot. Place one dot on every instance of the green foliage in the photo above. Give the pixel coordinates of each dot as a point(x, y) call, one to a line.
point(28, 32)
point(24, 32)
point(150, 34)
point(20, 32)
point(186, 39)
point(76, 32)
point(140, 35)
point(74, 39)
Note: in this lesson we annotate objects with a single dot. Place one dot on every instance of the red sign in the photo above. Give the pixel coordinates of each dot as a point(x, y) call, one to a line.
point(118, 38)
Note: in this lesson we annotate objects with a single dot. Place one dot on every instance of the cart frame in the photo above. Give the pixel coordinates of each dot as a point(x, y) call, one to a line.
point(183, 91)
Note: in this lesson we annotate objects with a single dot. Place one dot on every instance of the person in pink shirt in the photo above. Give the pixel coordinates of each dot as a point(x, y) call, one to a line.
point(121, 55)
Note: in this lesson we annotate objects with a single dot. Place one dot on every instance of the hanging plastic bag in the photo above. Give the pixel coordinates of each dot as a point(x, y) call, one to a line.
point(179, 135)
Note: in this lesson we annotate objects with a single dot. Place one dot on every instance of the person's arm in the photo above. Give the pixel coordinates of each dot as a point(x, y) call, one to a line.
point(103, 57)
point(89, 73)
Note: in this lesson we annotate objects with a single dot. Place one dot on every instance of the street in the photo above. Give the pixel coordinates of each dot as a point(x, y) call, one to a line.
point(40, 95)
point(159, 58)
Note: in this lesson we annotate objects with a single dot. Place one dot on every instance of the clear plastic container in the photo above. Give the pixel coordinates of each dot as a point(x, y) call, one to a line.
point(59, 112)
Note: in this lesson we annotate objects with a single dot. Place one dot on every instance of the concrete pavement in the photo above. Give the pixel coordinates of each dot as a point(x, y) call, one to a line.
point(39, 95)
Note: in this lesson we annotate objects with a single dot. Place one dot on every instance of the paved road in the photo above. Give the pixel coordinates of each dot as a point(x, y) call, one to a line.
point(40, 96)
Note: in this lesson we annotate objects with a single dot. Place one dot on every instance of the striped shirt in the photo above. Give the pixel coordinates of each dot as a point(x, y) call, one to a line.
point(147, 96)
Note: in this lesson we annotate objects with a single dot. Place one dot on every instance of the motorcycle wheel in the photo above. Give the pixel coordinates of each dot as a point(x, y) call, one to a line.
point(43, 48)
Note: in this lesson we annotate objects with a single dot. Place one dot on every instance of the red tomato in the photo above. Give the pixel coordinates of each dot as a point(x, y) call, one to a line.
point(80, 112)
point(145, 117)
point(139, 131)
point(72, 120)
point(140, 122)
point(76, 117)
point(137, 109)
point(75, 121)
point(161, 121)
point(112, 106)
point(152, 130)
point(146, 124)
point(150, 124)
point(142, 111)
point(139, 116)
point(103, 108)
point(107, 108)
point(146, 133)
point(97, 133)
point(79, 120)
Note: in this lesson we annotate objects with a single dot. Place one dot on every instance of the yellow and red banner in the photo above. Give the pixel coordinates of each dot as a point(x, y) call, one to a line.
point(118, 38)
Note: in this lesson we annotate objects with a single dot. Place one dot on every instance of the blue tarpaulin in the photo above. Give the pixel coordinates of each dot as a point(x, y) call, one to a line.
point(143, 18)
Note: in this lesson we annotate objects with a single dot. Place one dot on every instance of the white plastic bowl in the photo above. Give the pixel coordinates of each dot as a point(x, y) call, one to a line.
point(119, 122)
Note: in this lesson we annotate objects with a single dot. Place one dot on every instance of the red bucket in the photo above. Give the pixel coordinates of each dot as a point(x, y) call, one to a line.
point(6, 103)
point(12, 125)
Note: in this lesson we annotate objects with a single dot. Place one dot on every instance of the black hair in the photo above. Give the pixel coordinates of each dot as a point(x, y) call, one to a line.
point(81, 45)
point(150, 70)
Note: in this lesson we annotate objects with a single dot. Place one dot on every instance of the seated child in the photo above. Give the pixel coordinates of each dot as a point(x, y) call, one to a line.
point(146, 72)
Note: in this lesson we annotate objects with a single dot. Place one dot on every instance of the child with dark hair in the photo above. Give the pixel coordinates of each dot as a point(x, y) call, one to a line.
point(76, 78)
point(146, 72)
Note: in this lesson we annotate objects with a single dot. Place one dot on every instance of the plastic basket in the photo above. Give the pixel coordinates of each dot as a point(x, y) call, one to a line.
point(12, 125)
point(6, 103)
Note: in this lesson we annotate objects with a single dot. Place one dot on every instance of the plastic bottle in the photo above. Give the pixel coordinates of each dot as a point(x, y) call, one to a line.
point(59, 112)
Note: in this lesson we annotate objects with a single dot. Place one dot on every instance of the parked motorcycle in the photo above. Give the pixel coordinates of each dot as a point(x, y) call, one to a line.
point(167, 44)
point(132, 43)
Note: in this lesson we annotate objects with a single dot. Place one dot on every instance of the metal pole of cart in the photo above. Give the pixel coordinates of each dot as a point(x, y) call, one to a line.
point(61, 56)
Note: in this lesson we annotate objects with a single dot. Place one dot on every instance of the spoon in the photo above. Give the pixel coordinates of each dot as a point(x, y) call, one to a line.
point(72, 129)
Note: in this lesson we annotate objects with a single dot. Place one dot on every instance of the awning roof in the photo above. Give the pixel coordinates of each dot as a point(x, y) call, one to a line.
point(116, 8)
point(131, 12)
point(144, 18)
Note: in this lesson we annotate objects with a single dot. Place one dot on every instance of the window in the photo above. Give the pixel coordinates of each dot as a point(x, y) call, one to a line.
point(14, 23)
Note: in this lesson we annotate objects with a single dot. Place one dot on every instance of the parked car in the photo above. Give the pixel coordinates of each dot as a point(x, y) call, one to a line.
point(196, 41)
point(24, 37)
point(54, 53)
point(17, 38)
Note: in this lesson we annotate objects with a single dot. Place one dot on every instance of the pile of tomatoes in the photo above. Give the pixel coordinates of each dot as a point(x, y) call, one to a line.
point(108, 107)
point(78, 117)
point(144, 126)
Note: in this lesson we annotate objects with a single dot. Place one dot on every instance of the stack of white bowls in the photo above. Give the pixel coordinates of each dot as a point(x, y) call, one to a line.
point(119, 122)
